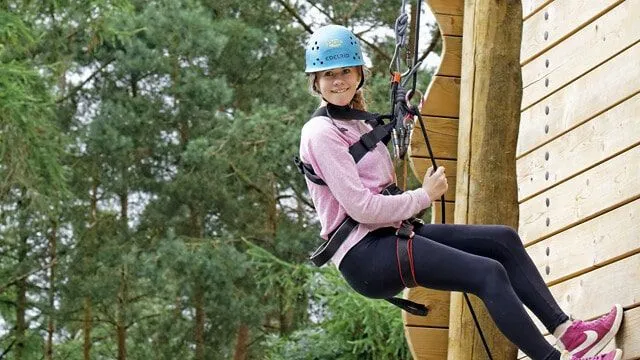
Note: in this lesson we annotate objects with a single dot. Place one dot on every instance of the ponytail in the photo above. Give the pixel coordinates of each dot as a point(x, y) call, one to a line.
point(358, 102)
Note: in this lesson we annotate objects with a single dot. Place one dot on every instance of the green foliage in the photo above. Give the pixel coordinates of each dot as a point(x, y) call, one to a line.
point(31, 144)
point(347, 326)
point(151, 141)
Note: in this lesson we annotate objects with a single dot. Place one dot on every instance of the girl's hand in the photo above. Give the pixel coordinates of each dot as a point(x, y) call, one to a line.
point(435, 184)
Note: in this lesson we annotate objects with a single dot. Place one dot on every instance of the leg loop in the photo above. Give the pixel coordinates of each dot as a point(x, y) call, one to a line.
point(404, 255)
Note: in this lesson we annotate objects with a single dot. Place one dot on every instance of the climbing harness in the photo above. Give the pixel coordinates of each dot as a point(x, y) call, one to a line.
point(404, 235)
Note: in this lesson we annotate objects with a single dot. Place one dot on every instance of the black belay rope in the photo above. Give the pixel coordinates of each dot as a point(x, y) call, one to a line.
point(401, 110)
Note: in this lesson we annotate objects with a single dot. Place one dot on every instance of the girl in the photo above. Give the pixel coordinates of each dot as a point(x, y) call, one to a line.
point(488, 261)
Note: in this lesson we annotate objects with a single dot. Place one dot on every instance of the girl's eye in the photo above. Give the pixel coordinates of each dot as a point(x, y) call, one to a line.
point(328, 74)
point(346, 71)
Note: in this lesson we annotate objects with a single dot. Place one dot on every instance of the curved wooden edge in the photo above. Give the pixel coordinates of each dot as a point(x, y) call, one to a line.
point(428, 337)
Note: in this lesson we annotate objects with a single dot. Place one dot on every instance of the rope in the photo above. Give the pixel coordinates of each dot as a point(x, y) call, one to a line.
point(442, 209)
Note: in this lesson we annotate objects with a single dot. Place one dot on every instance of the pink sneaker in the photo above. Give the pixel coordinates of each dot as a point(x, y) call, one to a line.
point(587, 338)
point(611, 355)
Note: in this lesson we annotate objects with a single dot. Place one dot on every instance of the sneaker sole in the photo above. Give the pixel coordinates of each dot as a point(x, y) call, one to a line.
point(618, 355)
point(609, 336)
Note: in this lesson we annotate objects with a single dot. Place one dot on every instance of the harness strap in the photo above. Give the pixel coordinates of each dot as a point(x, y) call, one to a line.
point(367, 142)
point(348, 113)
point(323, 254)
point(307, 170)
point(404, 262)
point(404, 254)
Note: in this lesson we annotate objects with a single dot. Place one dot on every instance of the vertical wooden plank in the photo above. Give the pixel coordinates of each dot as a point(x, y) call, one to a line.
point(490, 98)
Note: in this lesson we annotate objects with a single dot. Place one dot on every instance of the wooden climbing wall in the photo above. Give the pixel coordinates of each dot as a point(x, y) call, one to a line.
point(578, 157)
point(428, 336)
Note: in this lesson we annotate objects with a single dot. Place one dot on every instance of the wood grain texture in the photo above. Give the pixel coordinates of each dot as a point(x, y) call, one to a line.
point(587, 145)
point(595, 92)
point(556, 21)
point(594, 44)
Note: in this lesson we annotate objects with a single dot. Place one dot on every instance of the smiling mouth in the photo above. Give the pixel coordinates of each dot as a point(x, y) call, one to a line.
point(339, 91)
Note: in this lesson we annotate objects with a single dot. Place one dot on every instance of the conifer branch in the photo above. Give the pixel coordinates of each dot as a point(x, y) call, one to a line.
point(308, 29)
point(82, 84)
point(297, 16)
point(248, 181)
point(8, 349)
point(353, 10)
point(24, 276)
point(434, 42)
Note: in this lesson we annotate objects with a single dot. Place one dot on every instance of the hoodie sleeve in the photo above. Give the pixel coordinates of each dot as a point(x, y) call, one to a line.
point(328, 152)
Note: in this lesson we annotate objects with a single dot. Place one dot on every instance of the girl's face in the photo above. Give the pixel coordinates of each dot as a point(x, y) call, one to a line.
point(338, 86)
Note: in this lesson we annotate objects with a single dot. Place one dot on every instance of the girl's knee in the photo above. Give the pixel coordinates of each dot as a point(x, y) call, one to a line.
point(495, 276)
point(508, 236)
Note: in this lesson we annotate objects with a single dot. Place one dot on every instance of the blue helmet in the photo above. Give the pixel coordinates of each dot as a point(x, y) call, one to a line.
point(330, 47)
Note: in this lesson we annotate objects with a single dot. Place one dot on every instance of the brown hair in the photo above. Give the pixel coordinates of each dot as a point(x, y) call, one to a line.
point(358, 102)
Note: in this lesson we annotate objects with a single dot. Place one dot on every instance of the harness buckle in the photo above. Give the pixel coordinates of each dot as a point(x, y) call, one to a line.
point(392, 189)
point(299, 164)
point(405, 231)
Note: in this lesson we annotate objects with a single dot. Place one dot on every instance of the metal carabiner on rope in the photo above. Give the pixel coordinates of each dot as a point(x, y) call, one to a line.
point(402, 111)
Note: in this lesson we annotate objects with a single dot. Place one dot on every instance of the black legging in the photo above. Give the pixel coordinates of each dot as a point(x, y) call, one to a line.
point(488, 261)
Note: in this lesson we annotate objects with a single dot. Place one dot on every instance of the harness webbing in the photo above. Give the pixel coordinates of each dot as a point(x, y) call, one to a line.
point(368, 141)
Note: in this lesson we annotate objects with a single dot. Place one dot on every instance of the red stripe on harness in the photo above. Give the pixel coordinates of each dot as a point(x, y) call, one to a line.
point(398, 262)
point(413, 271)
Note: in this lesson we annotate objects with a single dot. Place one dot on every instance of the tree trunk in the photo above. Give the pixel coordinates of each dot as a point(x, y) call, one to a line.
point(486, 192)
point(48, 353)
point(121, 316)
point(200, 321)
point(121, 326)
point(87, 324)
point(242, 343)
point(86, 328)
point(21, 302)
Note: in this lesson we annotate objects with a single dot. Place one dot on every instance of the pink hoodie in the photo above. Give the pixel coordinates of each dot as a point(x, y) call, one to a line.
point(353, 189)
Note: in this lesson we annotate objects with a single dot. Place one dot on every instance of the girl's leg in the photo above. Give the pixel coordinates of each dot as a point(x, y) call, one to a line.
point(371, 269)
point(503, 244)
point(443, 267)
